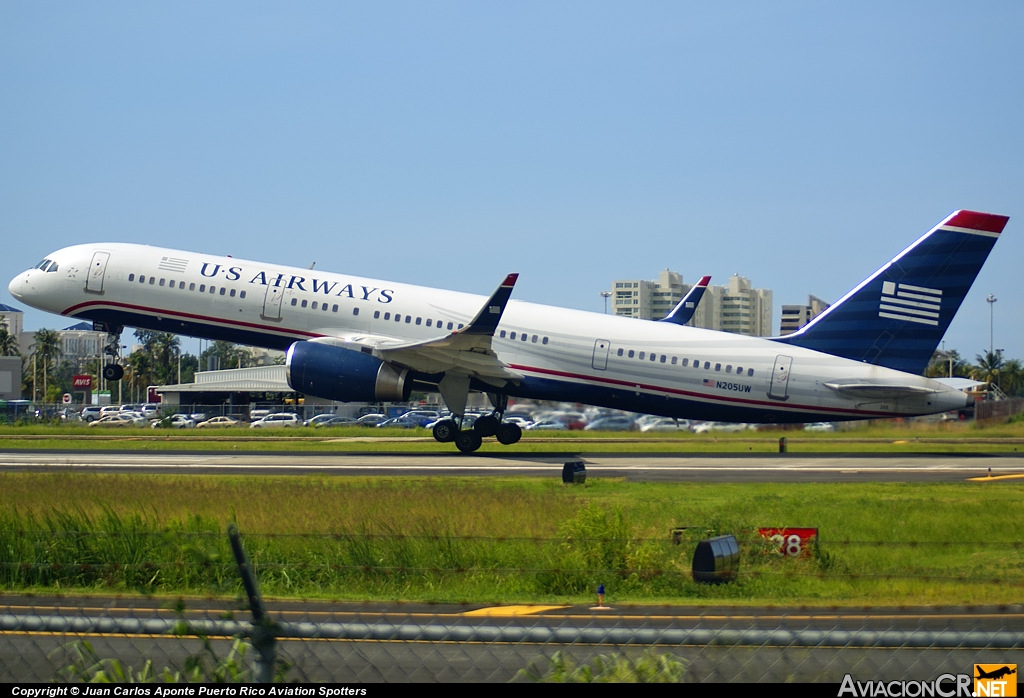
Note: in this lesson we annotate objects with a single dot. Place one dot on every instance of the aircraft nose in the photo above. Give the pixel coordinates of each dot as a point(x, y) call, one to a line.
point(16, 285)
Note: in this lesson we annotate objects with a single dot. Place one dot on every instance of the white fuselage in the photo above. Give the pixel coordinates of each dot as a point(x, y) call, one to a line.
point(563, 354)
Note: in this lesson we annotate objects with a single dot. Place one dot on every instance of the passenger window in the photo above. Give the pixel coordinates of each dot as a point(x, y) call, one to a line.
point(387, 316)
point(192, 287)
point(408, 319)
point(707, 365)
point(750, 371)
point(686, 362)
point(662, 358)
point(642, 354)
point(674, 359)
point(314, 305)
point(295, 301)
point(232, 294)
point(630, 355)
point(355, 311)
point(131, 277)
point(161, 282)
point(534, 339)
point(171, 283)
point(223, 289)
point(202, 289)
point(213, 289)
point(654, 357)
point(419, 320)
point(142, 279)
point(739, 370)
point(324, 307)
point(376, 314)
point(523, 336)
point(728, 368)
point(152, 280)
point(619, 352)
point(500, 334)
point(451, 325)
point(696, 363)
point(545, 341)
point(513, 335)
point(461, 325)
point(398, 317)
point(304, 302)
point(431, 322)
point(718, 367)
point(241, 294)
point(334, 308)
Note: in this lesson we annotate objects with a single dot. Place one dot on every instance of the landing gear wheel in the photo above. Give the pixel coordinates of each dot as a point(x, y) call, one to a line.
point(468, 441)
point(509, 433)
point(445, 431)
point(486, 425)
point(113, 372)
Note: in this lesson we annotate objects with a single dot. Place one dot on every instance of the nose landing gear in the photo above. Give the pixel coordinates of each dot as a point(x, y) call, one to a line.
point(113, 371)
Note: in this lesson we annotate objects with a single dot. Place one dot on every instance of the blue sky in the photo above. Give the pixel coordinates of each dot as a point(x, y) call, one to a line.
point(799, 144)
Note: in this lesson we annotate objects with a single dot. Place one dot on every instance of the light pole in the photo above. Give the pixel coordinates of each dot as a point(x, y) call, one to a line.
point(991, 300)
point(606, 295)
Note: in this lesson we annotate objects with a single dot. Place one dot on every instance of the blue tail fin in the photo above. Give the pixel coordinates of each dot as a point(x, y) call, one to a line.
point(897, 316)
point(685, 308)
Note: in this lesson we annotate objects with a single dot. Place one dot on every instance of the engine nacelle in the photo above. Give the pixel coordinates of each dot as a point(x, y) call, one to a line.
point(334, 373)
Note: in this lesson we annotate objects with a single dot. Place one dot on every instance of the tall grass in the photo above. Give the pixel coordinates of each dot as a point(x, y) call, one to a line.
point(506, 540)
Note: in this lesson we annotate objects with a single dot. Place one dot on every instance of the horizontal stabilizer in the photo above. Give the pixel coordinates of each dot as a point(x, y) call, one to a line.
point(685, 309)
point(957, 383)
point(897, 316)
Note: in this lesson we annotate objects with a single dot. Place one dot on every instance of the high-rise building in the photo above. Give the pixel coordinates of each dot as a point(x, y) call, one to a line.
point(796, 316)
point(736, 307)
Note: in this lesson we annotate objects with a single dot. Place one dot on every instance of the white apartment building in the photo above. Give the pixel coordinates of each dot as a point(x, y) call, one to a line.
point(735, 307)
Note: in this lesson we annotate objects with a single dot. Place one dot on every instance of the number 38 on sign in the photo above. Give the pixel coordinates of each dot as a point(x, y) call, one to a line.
point(792, 542)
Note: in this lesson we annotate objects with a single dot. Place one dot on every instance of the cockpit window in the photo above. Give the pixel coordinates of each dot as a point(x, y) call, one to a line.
point(46, 265)
point(42, 264)
point(52, 267)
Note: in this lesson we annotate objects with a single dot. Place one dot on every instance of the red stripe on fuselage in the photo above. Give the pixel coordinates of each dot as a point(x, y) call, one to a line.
point(714, 398)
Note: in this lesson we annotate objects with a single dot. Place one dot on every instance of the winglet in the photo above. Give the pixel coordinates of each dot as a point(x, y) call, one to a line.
point(486, 321)
point(685, 309)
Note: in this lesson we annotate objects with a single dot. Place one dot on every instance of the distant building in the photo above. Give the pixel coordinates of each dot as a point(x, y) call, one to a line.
point(12, 318)
point(796, 316)
point(77, 343)
point(736, 307)
point(10, 377)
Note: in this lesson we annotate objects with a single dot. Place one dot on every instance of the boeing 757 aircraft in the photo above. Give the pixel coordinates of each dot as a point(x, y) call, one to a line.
point(355, 339)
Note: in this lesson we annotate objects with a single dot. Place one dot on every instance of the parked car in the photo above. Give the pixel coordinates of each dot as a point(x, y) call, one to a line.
point(215, 422)
point(547, 425)
point(318, 419)
point(114, 420)
point(403, 422)
point(150, 410)
point(667, 424)
point(423, 417)
point(336, 421)
point(258, 414)
point(705, 427)
point(820, 426)
point(279, 419)
point(620, 423)
point(109, 410)
point(90, 413)
point(371, 420)
point(178, 421)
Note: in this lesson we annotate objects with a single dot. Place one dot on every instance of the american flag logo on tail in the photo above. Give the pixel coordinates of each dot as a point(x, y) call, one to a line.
point(910, 303)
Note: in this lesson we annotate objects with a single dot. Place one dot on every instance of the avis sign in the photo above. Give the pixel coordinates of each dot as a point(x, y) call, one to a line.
point(792, 542)
point(81, 382)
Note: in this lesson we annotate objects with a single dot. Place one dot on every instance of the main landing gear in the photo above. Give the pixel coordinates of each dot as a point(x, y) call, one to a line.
point(469, 440)
point(113, 371)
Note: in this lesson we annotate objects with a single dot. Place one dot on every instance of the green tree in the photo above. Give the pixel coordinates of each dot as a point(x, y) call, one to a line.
point(1012, 377)
point(224, 355)
point(140, 371)
point(8, 342)
point(990, 365)
point(47, 350)
point(939, 366)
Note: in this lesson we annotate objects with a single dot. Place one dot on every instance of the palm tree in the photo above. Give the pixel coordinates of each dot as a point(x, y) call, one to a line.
point(939, 366)
point(47, 350)
point(1012, 376)
point(8, 343)
point(989, 366)
point(165, 349)
point(141, 367)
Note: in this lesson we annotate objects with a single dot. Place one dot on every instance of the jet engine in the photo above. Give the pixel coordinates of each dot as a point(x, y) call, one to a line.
point(335, 373)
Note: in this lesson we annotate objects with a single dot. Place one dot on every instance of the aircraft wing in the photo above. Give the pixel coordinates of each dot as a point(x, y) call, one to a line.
point(467, 350)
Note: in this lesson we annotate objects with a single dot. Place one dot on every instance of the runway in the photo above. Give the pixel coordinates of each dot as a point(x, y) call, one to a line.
point(993, 469)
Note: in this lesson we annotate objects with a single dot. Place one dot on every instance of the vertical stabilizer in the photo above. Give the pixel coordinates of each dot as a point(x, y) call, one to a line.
point(897, 316)
point(685, 308)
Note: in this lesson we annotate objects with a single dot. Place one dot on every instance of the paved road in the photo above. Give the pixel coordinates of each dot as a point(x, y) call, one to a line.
point(631, 466)
point(28, 655)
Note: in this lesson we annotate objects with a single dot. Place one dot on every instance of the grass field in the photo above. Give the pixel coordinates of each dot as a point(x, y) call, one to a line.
point(515, 540)
point(881, 438)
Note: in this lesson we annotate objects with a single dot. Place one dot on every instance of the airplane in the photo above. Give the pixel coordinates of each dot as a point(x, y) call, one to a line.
point(995, 673)
point(349, 338)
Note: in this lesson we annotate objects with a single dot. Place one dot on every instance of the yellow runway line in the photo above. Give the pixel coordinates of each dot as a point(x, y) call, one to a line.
point(510, 611)
point(986, 478)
